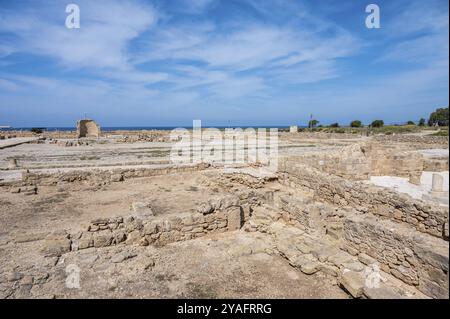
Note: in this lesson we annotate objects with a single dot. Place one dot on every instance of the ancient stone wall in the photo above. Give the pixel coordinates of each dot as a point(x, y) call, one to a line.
point(418, 260)
point(388, 161)
point(100, 175)
point(87, 128)
point(326, 136)
point(362, 160)
point(348, 162)
point(365, 198)
point(414, 141)
point(225, 214)
point(435, 165)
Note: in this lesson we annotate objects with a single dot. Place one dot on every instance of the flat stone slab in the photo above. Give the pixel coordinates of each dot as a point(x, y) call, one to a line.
point(17, 141)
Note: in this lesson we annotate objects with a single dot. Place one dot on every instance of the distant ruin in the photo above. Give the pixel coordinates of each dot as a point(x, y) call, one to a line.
point(87, 128)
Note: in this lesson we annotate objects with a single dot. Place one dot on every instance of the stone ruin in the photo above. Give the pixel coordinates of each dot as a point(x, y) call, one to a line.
point(87, 128)
point(319, 211)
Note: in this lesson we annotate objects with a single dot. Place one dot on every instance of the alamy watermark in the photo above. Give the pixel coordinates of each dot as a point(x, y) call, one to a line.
point(228, 146)
point(73, 19)
point(373, 276)
point(372, 20)
point(73, 276)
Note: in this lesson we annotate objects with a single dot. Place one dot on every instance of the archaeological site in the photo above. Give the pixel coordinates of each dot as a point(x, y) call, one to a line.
point(110, 215)
point(220, 158)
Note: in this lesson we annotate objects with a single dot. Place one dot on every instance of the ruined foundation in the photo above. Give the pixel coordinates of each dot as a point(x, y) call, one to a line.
point(88, 128)
point(342, 216)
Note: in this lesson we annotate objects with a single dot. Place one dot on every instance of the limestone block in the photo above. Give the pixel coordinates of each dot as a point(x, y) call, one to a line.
point(56, 247)
point(353, 282)
point(235, 218)
point(103, 239)
point(87, 128)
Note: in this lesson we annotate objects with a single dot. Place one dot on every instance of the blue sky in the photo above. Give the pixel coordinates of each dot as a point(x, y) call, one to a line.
point(246, 62)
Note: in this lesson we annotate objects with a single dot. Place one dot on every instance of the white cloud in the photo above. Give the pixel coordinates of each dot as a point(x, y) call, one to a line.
point(195, 6)
point(107, 27)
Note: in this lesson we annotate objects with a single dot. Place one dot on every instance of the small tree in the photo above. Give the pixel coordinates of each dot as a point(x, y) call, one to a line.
point(439, 117)
point(313, 123)
point(356, 123)
point(377, 123)
point(410, 123)
point(334, 125)
point(422, 122)
point(37, 130)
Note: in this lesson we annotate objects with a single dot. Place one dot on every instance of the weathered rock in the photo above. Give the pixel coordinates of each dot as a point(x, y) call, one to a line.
point(353, 266)
point(15, 190)
point(367, 260)
point(122, 257)
point(383, 292)
point(235, 218)
point(353, 282)
point(56, 247)
point(117, 178)
point(25, 238)
point(205, 208)
point(119, 236)
point(103, 239)
point(133, 237)
point(85, 241)
point(13, 276)
point(310, 268)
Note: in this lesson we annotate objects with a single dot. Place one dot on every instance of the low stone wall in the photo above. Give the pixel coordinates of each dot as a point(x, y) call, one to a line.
point(101, 175)
point(151, 230)
point(348, 162)
point(323, 135)
point(365, 198)
point(362, 160)
point(418, 260)
point(384, 161)
point(417, 141)
point(435, 165)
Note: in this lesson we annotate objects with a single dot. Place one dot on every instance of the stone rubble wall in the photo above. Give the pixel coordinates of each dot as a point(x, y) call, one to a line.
point(436, 165)
point(313, 252)
point(415, 141)
point(418, 260)
point(362, 160)
point(318, 218)
point(151, 230)
point(226, 213)
point(386, 161)
point(100, 175)
point(322, 135)
point(348, 162)
point(365, 198)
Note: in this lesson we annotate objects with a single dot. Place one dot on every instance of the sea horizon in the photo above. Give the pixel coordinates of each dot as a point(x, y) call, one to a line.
point(140, 128)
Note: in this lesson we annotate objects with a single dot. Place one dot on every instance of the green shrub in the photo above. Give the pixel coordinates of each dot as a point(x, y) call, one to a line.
point(439, 117)
point(422, 122)
point(377, 123)
point(356, 123)
point(37, 130)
